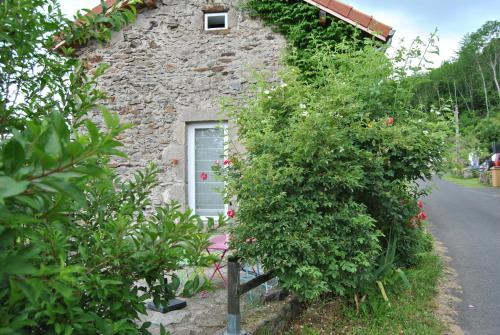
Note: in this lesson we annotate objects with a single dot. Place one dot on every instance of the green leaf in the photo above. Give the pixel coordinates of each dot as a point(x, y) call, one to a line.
point(102, 19)
point(46, 160)
point(74, 148)
point(29, 201)
point(18, 264)
point(59, 124)
point(29, 292)
point(146, 325)
point(93, 131)
point(53, 145)
point(66, 188)
point(7, 236)
point(109, 120)
point(163, 331)
point(10, 187)
point(404, 278)
point(115, 152)
point(13, 156)
point(65, 290)
point(92, 170)
point(175, 283)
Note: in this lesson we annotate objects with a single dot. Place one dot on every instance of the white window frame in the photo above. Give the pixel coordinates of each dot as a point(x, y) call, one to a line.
point(191, 153)
point(226, 20)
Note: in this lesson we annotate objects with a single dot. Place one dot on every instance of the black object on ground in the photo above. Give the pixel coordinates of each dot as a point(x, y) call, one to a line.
point(173, 305)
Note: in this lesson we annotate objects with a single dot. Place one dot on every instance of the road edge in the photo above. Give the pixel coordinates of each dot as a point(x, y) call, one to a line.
point(448, 287)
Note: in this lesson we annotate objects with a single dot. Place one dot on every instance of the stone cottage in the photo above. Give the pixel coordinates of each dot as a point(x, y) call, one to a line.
point(167, 74)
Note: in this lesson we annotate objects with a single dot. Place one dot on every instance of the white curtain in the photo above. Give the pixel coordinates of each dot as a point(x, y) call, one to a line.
point(209, 150)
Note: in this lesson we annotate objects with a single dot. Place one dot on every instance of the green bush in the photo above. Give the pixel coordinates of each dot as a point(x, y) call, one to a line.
point(330, 171)
point(488, 131)
point(78, 254)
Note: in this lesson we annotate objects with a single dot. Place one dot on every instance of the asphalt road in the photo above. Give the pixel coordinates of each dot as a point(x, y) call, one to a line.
point(467, 221)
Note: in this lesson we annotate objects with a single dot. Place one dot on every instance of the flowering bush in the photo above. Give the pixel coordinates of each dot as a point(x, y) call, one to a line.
point(330, 171)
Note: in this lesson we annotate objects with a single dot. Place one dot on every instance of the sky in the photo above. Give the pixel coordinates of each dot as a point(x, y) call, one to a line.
point(410, 18)
point(452, 18)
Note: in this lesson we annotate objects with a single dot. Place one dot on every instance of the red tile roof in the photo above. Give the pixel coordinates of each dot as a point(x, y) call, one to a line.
point(359, 19)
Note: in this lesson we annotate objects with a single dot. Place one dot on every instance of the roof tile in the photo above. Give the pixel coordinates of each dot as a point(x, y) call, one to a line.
point(354, 16)
point(359, 17)
point(340, 7)
point(380, 28)
point(324, 2)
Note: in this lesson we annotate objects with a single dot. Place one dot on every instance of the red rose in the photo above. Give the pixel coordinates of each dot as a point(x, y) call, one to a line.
point(420, 204)
point(422, 216)
point(203, 176)
point(230, 213)
point(227, 162)
point(389, 121)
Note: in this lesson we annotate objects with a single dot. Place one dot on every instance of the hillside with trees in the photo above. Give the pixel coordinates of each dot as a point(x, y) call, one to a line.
point(470, 82)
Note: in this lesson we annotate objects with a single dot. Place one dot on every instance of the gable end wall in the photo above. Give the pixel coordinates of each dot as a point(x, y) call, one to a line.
point(165, 72)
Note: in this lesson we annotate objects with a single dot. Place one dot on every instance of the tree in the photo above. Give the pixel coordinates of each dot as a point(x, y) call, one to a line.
point(471, 81)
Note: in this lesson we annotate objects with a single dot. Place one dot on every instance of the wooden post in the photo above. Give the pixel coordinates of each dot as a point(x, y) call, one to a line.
point(457, 133)
point(495, 176)
point(233, 298)
point(234, 292)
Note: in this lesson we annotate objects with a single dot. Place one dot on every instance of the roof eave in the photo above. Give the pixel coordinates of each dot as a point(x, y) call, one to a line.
point(354, 23)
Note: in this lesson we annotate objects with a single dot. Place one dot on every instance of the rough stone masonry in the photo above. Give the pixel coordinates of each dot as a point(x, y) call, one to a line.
point(165, 72)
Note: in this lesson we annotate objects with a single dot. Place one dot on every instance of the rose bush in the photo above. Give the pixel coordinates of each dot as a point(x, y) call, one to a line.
point(330, 171)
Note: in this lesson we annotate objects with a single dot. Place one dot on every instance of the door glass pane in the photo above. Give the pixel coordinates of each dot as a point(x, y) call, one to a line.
point(209, 148)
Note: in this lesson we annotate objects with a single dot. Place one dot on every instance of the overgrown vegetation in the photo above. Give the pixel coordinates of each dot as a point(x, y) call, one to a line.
point(409, 309)
point(299, 22)
point(327, 185)
point(78, 254)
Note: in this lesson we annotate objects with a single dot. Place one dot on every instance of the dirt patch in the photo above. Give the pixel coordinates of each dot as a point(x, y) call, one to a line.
point(320, 316)
point(448, 287)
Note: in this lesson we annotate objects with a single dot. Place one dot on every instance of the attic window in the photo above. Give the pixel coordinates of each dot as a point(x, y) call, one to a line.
point(216, 21)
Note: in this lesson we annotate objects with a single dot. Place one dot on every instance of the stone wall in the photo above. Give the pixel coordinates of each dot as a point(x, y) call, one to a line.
point(165, 72)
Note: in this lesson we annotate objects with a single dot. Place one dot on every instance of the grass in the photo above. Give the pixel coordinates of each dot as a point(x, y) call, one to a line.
point(411, 310)
point(465, 182)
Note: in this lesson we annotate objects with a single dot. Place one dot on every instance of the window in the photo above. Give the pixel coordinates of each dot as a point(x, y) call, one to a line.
point(216, 21)
point(206, 147)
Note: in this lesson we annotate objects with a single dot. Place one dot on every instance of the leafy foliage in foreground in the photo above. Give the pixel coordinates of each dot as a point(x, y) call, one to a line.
point(78, 254)
point(330, 171)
